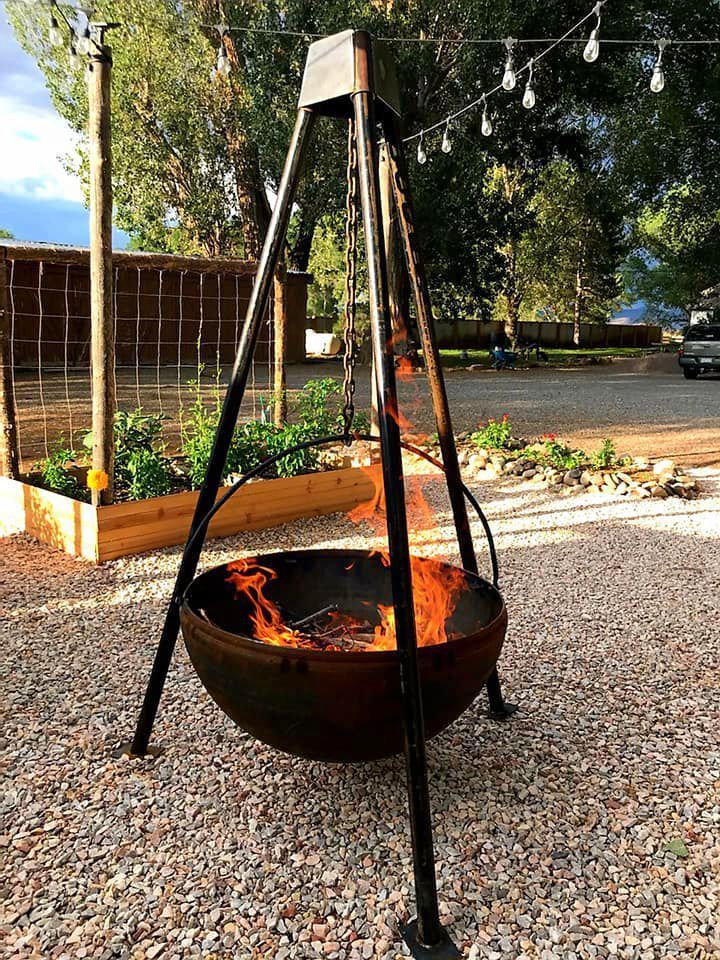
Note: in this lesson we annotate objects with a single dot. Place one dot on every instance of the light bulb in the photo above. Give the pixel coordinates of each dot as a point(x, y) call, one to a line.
point(529, 97)
point(446, 145)
point(657, 83)
point(55, 33)
point(223, 64)
point(83, 43)
point(487, 127)
point(592, 50)
point(509, 79)
point(421, 155)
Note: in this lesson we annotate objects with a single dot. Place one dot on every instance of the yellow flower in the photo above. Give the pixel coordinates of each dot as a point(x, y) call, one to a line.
point(97, 480)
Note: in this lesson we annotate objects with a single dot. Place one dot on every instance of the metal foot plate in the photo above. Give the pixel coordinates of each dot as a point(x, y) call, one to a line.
point(444, 950)
point(125, 750)
point(506, 711)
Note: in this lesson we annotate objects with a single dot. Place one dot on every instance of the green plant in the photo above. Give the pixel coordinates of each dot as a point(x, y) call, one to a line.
point(54, 471)
point(146, 475)
point(495, 435)
point(141, 468)
point(314, 408)
point(556, 453)
point(301, 461)
point(606, 456)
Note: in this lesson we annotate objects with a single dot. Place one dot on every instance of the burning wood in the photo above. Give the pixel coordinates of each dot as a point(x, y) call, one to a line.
point(436, 590)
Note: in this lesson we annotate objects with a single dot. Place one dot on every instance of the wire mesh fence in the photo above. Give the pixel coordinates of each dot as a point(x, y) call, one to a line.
point(178, 322)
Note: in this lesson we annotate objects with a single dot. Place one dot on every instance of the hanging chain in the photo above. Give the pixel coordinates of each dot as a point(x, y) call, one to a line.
point(351, 233)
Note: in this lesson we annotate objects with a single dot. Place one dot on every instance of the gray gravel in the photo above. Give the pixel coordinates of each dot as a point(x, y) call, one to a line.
point(552, 830)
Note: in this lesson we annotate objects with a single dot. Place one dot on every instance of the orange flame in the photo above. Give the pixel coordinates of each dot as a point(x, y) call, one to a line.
point(250, 578)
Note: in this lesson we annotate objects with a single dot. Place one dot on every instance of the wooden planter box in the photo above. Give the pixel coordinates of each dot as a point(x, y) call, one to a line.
point(105, 533)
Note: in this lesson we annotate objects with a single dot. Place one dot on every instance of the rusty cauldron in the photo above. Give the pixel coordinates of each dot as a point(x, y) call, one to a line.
point(333, 705)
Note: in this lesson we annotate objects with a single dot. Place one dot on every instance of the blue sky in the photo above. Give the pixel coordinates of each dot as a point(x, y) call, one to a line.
point(39, 198)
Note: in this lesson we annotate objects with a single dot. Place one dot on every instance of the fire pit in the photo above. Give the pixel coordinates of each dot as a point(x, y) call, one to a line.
point(322, 687)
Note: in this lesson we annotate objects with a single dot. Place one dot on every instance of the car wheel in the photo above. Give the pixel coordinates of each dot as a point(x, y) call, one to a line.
point(690, 374)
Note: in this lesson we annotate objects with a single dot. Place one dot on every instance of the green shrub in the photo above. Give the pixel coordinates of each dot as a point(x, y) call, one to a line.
point(606, 456)
point(551, 451)
point(319, 406)
point(318, 412)
point(495, 435)
point(301, 461)
point(141, 468)
point(55, 474)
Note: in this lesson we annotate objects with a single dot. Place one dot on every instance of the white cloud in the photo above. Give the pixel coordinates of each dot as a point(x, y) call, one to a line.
point(34, 141)
point(34, 138)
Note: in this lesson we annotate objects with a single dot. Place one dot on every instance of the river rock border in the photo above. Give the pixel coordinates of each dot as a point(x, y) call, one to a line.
point(639, 478)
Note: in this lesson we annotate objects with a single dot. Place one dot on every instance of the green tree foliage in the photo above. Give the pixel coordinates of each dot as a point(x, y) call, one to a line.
point(571, 252)
point(6, 235)
point(196, 156)
point(679, 249)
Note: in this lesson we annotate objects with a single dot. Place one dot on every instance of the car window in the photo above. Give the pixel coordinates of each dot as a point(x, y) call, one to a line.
point(701, 332)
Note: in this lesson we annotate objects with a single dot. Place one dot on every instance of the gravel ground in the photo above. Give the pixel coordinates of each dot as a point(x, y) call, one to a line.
point(551, 830)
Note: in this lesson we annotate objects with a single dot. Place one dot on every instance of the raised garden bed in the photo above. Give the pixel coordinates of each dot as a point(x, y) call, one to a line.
point(105, 533)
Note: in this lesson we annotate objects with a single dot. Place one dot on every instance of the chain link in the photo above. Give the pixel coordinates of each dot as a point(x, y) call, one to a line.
point(351, 234)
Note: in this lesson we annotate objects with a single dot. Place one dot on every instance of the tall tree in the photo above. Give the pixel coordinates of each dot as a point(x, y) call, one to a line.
point(574, 245)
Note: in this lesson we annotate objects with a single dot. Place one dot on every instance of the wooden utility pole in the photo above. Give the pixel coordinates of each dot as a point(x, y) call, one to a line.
point(102, 321)
point(280, 345)
point(9, 456)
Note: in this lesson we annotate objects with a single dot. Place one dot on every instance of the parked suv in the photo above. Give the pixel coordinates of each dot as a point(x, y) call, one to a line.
point(700, 352)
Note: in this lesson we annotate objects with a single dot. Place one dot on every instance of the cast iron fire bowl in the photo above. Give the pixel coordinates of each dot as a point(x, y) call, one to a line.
point(333, 705)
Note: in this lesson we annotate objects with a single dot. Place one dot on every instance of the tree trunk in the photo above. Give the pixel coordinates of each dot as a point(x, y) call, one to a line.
point(512, 319)
point(578, 311)
point(280, 350)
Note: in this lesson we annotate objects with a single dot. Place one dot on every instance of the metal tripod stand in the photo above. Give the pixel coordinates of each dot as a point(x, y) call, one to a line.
point(352, 76)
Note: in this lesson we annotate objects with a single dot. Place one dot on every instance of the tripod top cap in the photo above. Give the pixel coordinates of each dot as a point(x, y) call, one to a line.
point(344, 64)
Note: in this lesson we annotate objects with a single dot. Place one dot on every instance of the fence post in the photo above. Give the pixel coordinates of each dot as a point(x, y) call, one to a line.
point(279, 309)
point(102, 321)
point(9, 457)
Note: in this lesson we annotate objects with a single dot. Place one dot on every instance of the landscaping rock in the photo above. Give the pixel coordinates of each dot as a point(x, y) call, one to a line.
point(662, 467)
point(586, 478)
point(571, 478)
point(658, 492)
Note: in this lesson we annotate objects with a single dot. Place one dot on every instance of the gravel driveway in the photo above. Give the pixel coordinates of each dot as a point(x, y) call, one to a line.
point(552, 830)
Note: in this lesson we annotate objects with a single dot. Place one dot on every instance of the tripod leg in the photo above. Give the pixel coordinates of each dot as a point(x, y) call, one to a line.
point(418, 281)
point(228, 418)
point(425, 937)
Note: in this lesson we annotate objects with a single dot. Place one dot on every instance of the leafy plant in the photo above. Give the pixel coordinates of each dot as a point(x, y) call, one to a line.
point(314, 410)
point(146, 475)
point(606, 456)
point(141, 468)
point(553, 452)
point(54, 471)
point(495, 435)
point(301, 461)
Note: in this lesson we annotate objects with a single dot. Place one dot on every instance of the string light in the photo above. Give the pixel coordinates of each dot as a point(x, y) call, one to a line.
point(446, 145)
point(529, 95)
point(509, 79)
point(486, 125)
point(657, 82)
point(223, 67)
point(421, 154)
point(592, 49)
